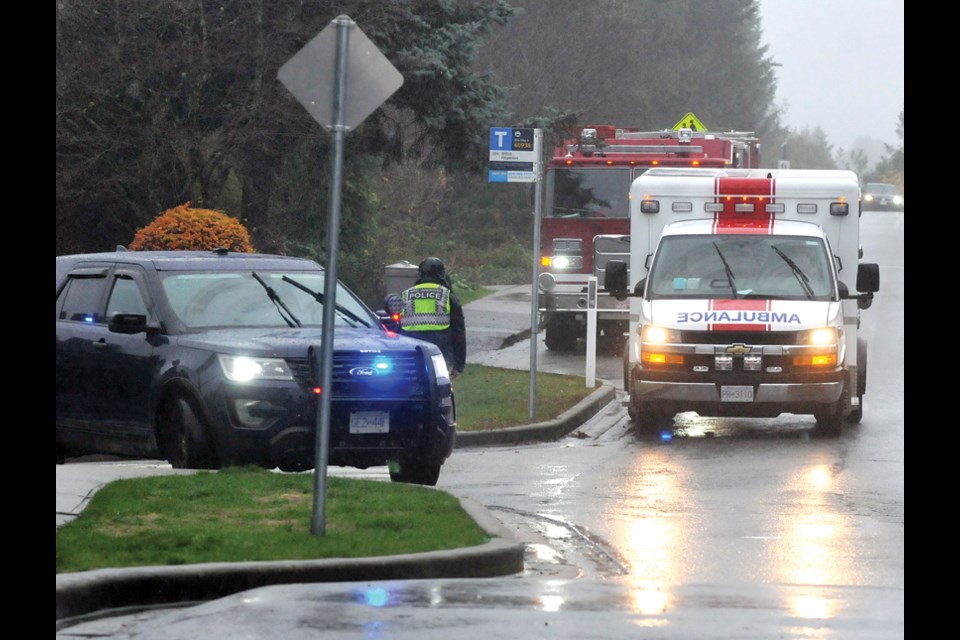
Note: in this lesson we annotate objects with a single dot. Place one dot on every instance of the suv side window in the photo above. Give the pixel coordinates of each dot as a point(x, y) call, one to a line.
point(126, 298)
point(81, 296)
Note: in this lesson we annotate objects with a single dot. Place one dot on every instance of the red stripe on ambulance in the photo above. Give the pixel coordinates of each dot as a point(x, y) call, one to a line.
point(733, 191)
point(731, 307)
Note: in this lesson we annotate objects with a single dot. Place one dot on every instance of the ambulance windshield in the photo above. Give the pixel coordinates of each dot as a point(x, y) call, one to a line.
point(741, 266)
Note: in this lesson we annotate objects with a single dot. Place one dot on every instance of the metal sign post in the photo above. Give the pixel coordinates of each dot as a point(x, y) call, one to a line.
point(535, 292)
point(515, 157)
point(362, 79)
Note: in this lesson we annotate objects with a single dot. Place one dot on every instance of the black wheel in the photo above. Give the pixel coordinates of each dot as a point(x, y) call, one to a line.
point(560, 335)
point(626, 365)
point(182, 436)
point(830, 421)
point(856, 415)
point(415, 472)
point(611, 340)
point(650, 421)
point(829, 424)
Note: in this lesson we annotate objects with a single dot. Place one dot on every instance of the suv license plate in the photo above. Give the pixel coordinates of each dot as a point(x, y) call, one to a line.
point(370, 422)
point(730, 393)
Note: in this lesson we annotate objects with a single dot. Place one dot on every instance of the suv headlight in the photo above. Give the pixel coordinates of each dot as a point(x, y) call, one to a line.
point(440, 369)
point(247, 369)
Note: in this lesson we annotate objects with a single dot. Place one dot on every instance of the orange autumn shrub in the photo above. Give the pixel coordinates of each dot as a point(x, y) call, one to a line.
point(183, 228)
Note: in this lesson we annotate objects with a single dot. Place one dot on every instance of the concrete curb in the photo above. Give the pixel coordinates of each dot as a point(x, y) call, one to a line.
point(88, 594)
point(542, 431)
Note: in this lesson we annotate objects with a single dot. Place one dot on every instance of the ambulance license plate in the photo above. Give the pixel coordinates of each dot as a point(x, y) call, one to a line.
point(370, 422)
point(730, 393)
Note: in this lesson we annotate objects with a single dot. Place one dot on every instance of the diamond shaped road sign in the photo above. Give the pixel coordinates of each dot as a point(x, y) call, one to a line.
point(311, 73)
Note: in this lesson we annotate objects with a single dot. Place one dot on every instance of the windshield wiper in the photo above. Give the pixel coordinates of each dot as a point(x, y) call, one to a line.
point(319, 298)
point(289, 318)
point(728, 270)
point(797, 272)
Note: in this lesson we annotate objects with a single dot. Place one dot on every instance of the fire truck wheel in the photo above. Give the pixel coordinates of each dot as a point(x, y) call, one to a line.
point(559, 336)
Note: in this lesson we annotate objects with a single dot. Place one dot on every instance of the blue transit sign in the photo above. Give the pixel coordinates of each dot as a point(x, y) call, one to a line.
point(513, 155)
point(505, 143)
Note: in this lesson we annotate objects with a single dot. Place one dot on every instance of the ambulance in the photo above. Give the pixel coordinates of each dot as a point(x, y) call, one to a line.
point(748, 298)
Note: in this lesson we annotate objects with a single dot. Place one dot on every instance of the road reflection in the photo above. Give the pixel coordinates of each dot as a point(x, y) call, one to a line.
point(812, 546)
point(789, 528)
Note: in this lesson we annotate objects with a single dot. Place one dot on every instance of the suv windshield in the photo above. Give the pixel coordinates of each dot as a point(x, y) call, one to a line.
point(779, 267)
point(238, 299)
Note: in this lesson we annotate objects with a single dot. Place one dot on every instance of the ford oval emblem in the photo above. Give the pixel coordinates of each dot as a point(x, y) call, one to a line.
point(363, 372)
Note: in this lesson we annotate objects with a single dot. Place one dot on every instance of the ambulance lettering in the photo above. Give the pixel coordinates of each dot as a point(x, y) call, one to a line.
point(716, 317)
point(738, 315)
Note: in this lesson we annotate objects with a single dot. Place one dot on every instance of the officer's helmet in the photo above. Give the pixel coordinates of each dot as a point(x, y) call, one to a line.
point(433, 267)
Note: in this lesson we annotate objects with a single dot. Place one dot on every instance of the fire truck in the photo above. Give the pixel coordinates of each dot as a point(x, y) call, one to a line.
point(586, 215)
point(741, 296)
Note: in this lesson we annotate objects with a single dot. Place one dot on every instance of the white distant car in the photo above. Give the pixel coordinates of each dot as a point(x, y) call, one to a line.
point(882, 196)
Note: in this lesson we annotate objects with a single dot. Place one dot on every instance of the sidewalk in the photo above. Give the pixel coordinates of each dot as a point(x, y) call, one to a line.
point(497, 320)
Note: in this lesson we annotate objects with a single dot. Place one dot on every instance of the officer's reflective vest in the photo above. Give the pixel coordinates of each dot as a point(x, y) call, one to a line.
point(426, 307)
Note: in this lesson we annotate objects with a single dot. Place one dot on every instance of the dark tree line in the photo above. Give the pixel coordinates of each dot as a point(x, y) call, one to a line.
point(167, 101)
point(175, 100)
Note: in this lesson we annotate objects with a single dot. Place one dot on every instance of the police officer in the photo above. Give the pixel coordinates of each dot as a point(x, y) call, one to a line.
point(432, 312)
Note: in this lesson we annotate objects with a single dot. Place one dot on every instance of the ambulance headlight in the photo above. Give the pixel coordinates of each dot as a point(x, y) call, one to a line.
point(652, 334)
point(825, 336)
point(824, 351)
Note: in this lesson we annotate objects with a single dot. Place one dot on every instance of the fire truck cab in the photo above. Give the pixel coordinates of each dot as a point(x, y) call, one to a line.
point(741, 296)
point(586, 215)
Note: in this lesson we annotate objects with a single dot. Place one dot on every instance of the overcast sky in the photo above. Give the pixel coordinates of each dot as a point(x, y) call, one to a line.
point(842, 65)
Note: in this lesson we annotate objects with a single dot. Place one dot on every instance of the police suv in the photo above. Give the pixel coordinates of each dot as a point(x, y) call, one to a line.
point(213, 358)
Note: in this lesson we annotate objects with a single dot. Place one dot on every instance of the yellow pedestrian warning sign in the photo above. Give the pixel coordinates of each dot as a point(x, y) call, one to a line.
point(690, 121)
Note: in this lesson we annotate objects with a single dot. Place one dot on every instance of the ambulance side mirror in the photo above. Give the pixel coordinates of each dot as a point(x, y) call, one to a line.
point(868, 283)
point(868, 277)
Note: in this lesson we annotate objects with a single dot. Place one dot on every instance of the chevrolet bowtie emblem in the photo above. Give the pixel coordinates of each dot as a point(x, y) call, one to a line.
point(739, 349)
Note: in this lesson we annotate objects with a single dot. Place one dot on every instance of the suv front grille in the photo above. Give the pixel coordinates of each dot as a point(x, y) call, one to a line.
point(355, 374)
